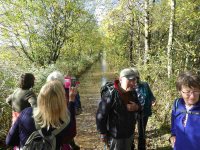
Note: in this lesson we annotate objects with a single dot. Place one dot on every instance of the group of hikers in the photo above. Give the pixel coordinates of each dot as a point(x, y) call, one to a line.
point(128, 101)
point(55, 107)
point(124, 103)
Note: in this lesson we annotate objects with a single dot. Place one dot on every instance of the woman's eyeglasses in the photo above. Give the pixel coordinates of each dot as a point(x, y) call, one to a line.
point(188, 93)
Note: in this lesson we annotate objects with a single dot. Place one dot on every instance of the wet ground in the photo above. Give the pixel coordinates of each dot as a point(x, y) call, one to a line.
point(90, 83)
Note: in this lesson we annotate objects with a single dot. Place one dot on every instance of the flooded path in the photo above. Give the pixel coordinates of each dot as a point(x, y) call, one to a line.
point(90, 83)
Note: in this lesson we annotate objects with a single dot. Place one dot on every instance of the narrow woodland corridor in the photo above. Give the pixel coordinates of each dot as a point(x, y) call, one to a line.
point(90, 83)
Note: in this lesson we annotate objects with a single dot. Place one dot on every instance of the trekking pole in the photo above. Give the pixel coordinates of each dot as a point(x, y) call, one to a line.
point(105, 146)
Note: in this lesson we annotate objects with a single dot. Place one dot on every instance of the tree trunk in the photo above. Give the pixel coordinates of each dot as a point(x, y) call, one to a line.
point(170, 39)
point(138, 36)
point(146, 31)
point(131, 42)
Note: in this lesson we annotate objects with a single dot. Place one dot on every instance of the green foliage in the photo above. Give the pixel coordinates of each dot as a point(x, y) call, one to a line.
point(187, 37)
point(185, 55)
point(39, 30)
point(5, 119)
point(9, 74)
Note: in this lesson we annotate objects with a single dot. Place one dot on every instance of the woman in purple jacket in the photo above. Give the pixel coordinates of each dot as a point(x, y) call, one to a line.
point(185, 118)
point(50, 113)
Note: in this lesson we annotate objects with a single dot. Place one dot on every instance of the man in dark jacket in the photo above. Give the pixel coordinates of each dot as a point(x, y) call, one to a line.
point(116, 114)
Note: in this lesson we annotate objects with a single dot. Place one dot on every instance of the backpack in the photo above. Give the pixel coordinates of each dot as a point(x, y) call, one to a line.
point(38, 141)
point(107, 88)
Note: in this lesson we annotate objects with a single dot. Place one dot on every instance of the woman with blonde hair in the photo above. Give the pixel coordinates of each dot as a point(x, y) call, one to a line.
point(50, 114)
point(51, 106)
point(57, 75)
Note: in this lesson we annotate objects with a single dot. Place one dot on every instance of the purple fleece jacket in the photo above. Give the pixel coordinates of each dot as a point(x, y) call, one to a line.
point(188, 136)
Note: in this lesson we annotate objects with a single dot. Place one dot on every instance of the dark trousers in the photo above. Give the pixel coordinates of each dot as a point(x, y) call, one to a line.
point(142, 123)
point(121, 144)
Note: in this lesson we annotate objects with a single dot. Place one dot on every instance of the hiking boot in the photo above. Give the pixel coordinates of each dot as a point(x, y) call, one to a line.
point(74, 146)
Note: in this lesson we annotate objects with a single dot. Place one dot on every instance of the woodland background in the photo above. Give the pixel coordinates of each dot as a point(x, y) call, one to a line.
point(160, 37)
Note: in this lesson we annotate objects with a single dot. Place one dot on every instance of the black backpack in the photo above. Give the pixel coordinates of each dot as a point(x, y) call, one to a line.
point(107, 88)
point(38, 141)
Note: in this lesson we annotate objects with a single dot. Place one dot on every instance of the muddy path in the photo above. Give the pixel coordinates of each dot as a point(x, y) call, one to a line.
point(89, 89)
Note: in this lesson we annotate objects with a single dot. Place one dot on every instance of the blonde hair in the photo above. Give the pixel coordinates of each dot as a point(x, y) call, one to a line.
point(56, 75)
point(51, 106)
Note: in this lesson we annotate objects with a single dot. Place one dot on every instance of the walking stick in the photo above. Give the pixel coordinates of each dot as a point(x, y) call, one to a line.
point(105, 146)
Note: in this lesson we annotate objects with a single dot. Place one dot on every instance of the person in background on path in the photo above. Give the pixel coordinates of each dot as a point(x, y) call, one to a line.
point(117, 110)
point(185, 117)
point(56, 75)
point(147, 100)
point(23, 96)
point(51, 112)
point(71, 81)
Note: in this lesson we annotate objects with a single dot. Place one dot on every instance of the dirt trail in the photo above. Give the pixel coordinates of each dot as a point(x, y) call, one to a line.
point(90, 83)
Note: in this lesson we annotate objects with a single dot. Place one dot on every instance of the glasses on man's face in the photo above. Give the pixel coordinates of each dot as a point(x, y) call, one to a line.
point(188, 93)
